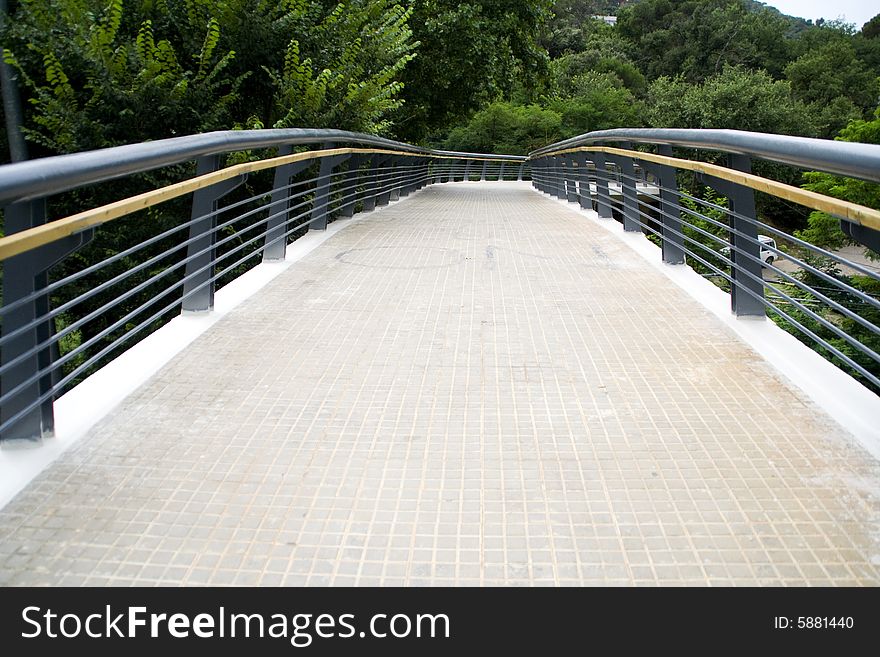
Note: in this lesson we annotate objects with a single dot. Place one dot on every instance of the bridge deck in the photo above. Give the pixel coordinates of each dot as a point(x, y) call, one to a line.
point(473, 386)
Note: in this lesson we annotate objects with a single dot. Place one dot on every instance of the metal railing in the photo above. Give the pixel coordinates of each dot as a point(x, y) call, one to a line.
point(722, 235)
point(70, 304)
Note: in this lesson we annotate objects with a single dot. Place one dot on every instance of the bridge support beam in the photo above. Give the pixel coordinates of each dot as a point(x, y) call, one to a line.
point(603, 195)
point(747, 291)
point(585, 196)
point(350, 183)
point(323, 190)
point(27, 377)
point(628, 190)
point(670, 211)
point(570, 173)
point(198, 288)
point(275, 244)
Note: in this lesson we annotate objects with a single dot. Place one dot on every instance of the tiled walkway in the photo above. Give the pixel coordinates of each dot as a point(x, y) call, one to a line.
point(473, 386)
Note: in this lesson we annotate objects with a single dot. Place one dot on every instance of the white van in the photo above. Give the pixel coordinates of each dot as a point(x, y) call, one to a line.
point(767, 243)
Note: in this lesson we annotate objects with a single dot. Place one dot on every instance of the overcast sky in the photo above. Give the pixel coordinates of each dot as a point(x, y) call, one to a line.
point(854, 11)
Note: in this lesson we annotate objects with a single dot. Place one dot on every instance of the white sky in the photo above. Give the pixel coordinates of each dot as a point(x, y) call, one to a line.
point(853, 11)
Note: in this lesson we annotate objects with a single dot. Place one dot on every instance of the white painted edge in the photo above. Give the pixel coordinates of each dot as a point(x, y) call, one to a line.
point(855, 408)
point(85, 405)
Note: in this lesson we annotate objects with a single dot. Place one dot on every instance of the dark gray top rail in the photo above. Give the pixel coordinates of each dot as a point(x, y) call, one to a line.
point(52, 175)
point(837, 157)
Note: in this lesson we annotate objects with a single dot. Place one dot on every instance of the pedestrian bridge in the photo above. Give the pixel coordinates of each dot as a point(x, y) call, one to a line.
point(474, 384)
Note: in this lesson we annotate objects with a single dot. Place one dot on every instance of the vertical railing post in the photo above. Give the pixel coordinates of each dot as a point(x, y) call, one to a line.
point(424, 173)
point(386, 180)
point(371, 183)
point(747, 291)
point(467, 171)
point(604, 208)
point(672, 240)
point(399, 168)
point(673, 237)
point(571, 190)
point(198, 287)
point(275, 244)
point(628, 190)
point(558, 177)
point(350, 184)
point(21, 278)
point(519, 175)
point(450, 174)
point(485, 170)
point(585, 196)
point(539, 175)
point(501, 172)
point(323, 188)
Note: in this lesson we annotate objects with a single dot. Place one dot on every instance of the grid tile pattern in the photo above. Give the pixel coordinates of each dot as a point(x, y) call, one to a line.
point(474, 386)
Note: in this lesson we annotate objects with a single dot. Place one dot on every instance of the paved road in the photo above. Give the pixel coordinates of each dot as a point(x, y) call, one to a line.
point(473, 386)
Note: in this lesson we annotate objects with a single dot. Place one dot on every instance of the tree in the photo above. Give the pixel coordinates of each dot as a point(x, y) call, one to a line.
point(832, 71)
point(92, 66)
point(697, 38)
point(871, 29)
point(735, 99)
point(507, 128)
point(596, 101)
point(471, 54)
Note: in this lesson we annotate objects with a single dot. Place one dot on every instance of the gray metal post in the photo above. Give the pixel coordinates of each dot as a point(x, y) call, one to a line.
point(386, 181)
point(424, 173)
point(450, 173)
point(351, 182)
point(585, 197)
point(558, 189)
point(324, 185)
point(539, 174)
point(399, 164)
point(501, 173)
point(673, 239)
point(276, 243)
point(467, 171)
point(603, 195)
point(571, 190)
point(19, 280)
point(742, 202)
point(371, 182)
point(747, 291)
point(485, 170)
point(628, 190)
point(23, 275)
point(519, 175)
point(198, 290)
point(672, 242)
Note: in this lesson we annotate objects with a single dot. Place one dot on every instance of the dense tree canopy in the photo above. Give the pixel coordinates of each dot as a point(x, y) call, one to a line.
point(471, 53)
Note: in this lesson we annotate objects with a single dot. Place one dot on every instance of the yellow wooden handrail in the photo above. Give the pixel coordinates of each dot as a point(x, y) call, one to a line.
point(29, 239)
point(857, 214)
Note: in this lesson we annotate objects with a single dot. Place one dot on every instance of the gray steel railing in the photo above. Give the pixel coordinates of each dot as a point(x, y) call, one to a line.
point(60, 323)
point(721, 234)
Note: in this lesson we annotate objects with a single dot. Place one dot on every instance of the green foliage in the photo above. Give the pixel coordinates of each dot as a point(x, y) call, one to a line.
point(871, 29)
point(696, 39)
point(735, 98)
point(823, 229)
point(471, 54)
point(91, 67)
point(596, 101)
point(358, 86)
point(89, 83)
point(833, 71)
point(508, 129)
